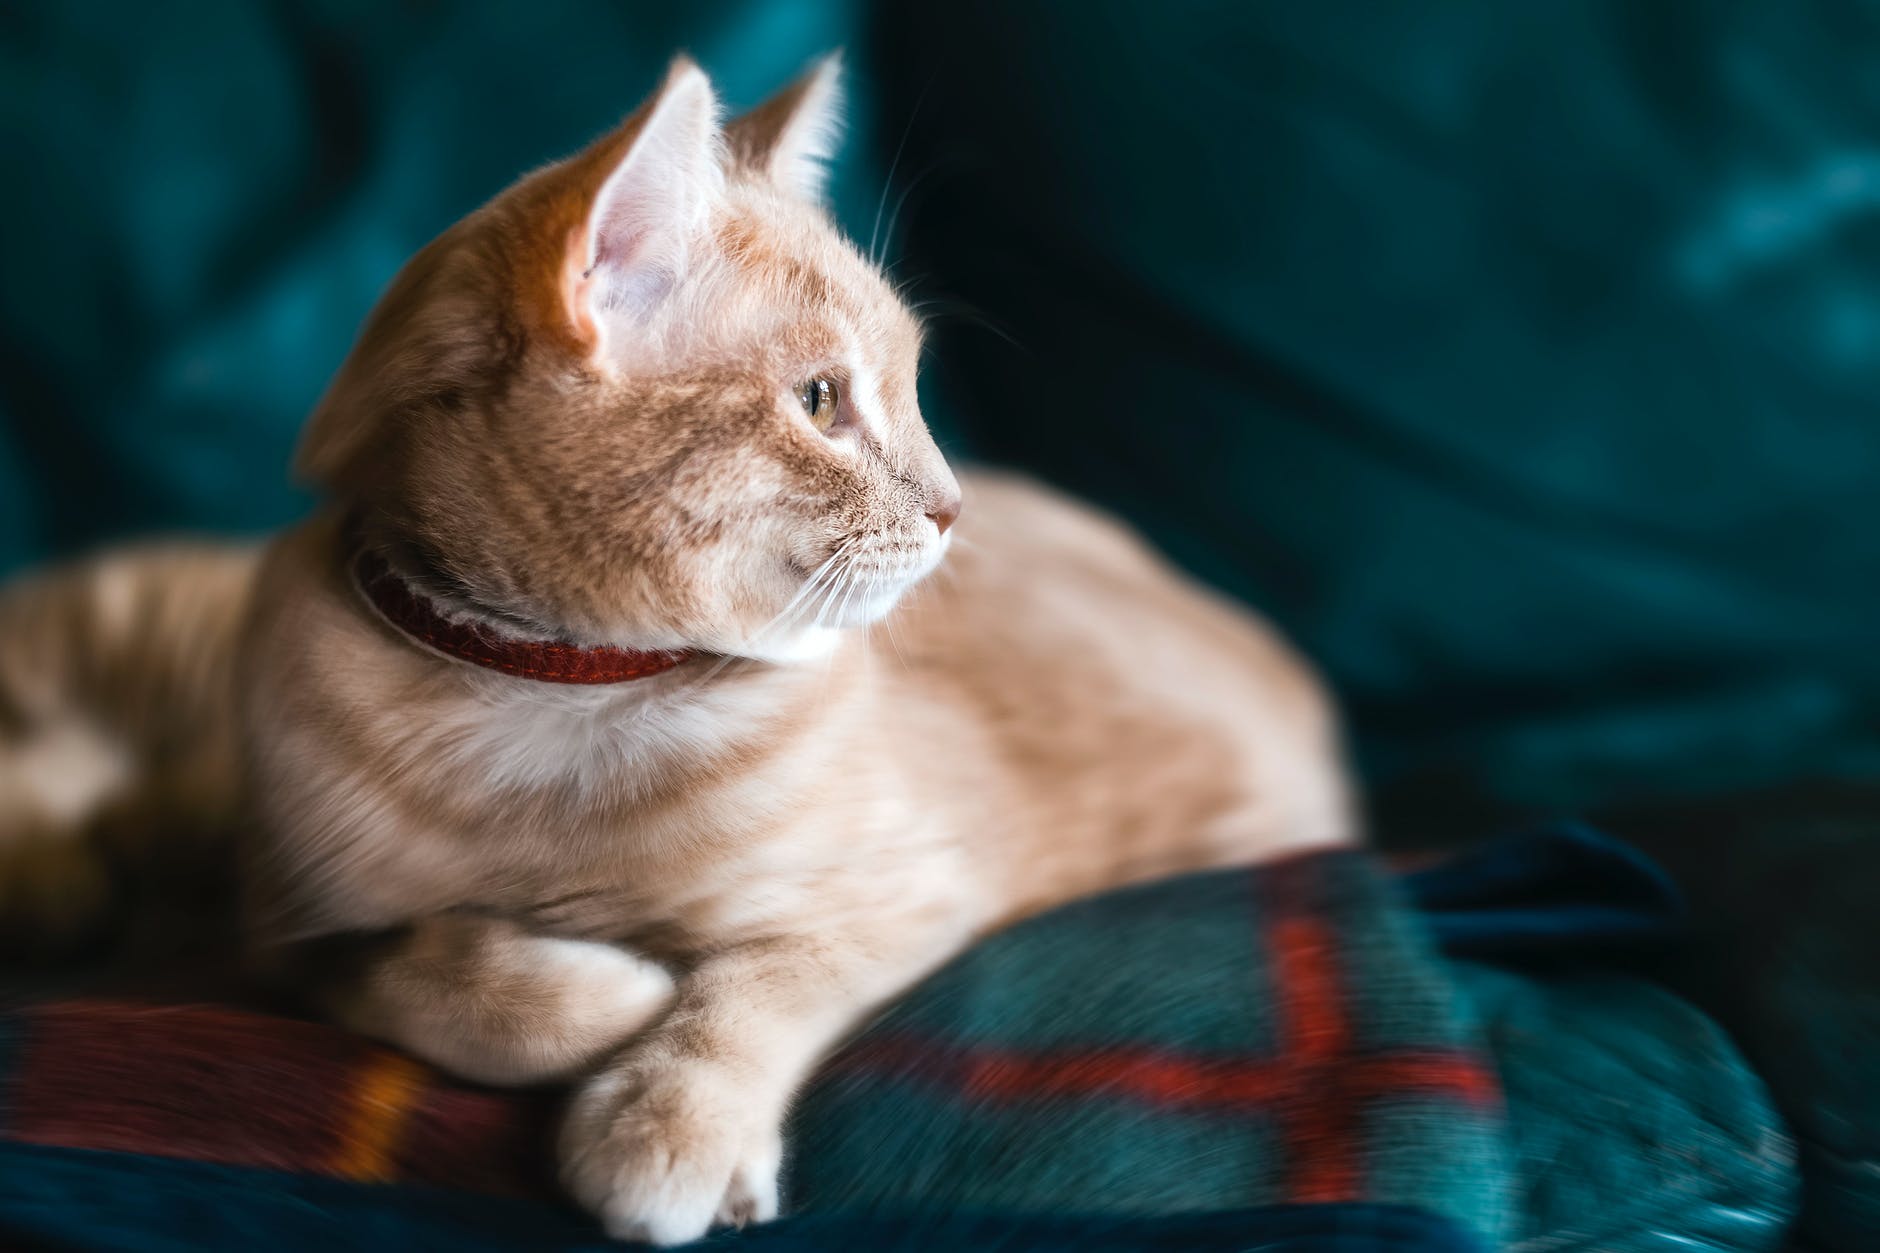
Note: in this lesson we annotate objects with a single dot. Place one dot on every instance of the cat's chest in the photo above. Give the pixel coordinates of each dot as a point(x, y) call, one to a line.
point(614, 822)
point(676, 821)
point(589, 746)
point(680, 881)
point(735, 859)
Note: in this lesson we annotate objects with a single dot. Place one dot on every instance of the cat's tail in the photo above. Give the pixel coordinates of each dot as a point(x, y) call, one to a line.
point(118, 763)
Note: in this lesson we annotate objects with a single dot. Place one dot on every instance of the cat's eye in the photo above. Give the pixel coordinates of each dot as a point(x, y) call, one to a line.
point(820, 398)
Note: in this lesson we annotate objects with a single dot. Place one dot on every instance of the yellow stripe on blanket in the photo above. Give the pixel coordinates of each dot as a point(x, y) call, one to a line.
point(388, 1086)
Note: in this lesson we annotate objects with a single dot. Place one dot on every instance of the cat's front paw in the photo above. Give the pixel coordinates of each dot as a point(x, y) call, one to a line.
point(662, 1152)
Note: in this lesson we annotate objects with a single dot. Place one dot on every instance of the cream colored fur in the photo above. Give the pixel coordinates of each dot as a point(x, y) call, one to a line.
point(576, 415)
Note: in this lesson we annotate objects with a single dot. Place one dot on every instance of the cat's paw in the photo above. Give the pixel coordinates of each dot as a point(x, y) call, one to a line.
point(664, 1151)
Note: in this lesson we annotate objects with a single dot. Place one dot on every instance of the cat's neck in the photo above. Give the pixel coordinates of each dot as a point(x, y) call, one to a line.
point(462, 632)
point(698, 721)
point(514, 735)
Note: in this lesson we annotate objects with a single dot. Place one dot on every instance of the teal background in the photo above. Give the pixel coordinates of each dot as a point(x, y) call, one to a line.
point(205, 199)
point(1520, 360)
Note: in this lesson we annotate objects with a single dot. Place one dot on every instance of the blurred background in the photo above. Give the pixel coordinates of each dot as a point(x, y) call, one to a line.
point(1521, 360)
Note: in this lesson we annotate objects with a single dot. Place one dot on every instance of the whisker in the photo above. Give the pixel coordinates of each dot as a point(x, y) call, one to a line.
point(848, 590)
point(937, 309)
point(803, 593)
point(825, 601)
point(868, 628)
point(824, 575)
point(888, 625)
point(838, 594)
point(895, 217)
point(888, 182)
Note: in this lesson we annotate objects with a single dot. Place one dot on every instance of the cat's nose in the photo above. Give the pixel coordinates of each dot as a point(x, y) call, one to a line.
point(944, 508)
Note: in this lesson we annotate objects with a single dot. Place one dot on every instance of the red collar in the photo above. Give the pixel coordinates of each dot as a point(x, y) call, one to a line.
point(544, 660)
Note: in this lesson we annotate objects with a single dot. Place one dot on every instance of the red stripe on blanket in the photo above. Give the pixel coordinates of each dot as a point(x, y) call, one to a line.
point(1308, 1009)
point(212, 1084)
point(1320, 1117)
point(1233, 1085)
point(494, 1142)
point(1317, 1085)
point(184, 1081)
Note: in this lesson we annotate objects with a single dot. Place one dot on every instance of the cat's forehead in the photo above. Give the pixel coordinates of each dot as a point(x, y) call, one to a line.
point(790, 257)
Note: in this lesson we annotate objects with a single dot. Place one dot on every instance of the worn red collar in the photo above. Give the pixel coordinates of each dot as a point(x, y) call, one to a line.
point(544, 660)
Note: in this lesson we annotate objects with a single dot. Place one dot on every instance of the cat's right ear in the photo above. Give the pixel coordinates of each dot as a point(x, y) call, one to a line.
point(791, 137)
point(661, 173)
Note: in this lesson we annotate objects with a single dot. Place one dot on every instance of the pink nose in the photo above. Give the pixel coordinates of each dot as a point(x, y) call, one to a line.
point(944, 510)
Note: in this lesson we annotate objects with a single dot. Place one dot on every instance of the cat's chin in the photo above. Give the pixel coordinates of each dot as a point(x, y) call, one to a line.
point(808, 644)
point(814, 643)
point(868, 610)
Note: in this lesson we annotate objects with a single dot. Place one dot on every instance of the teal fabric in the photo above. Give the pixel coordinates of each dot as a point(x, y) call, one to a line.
point(204, 200)
point(1517, 358)
point(1520, 358)
point(1230, 1053)
point(1782, 954)
point(80, 1202)
point(1145, 1008)
point(1635, 1125)
point(1632, 1123)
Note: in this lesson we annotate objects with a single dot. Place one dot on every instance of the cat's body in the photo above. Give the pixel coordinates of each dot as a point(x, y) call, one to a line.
point(689, 886)
point(956, 757)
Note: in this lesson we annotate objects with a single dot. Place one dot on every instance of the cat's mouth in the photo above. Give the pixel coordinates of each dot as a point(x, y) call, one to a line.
point(874, 580)
point(856, 583)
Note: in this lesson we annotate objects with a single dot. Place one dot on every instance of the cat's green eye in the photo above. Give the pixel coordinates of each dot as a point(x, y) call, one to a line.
point(820, 398)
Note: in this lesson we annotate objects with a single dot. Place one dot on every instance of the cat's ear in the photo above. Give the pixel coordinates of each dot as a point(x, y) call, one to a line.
point(611, 229)
point(660, 174)
point(790, 138)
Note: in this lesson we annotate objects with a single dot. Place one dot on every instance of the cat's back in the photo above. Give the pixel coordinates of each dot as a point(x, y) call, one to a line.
point(117, 740)
point(1044, 580)
point(1137, 719)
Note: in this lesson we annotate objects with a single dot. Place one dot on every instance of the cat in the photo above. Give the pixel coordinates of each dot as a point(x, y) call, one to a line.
point(635, 715)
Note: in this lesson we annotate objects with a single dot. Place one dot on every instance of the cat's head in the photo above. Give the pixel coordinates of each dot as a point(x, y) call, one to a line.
point(649, 394)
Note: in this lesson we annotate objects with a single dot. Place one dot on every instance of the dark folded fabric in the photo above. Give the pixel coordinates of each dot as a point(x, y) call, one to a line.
point(74, 1200)
point(1563, 890)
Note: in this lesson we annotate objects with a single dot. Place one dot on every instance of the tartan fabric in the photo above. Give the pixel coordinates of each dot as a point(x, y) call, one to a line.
point(215, 1084)
point(1216, 1043)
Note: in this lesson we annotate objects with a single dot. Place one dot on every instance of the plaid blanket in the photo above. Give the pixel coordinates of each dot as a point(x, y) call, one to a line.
point(1255, 1056)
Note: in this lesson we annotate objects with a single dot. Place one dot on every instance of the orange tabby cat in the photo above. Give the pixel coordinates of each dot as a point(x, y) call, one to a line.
point(567, 703)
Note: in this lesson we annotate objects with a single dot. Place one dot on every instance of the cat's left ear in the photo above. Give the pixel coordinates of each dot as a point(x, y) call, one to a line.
point(790, 138)
point(659, 176)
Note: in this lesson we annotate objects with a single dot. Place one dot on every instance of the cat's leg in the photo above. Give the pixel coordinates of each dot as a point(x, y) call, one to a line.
point(683, 1130)
point(488, 1001)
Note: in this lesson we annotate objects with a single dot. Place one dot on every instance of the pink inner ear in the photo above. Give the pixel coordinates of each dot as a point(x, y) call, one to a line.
point(576, 287)
point(620, 228)
point(647, 214)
